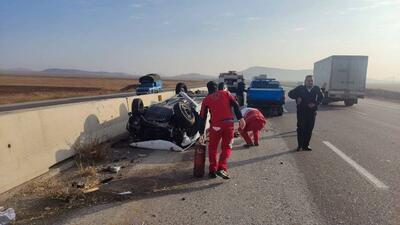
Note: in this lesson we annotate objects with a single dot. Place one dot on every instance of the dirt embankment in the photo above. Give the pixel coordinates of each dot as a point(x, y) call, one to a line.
point(25, 88)
point(105, 173)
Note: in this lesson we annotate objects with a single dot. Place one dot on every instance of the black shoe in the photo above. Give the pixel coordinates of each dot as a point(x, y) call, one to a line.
point(223, 174)
point(256, 144)
point(212, 175)
point(308, 148)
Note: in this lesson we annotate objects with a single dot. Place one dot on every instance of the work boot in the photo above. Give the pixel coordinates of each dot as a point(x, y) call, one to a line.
point(248, 145)
point(212, 175)
point(223, 174)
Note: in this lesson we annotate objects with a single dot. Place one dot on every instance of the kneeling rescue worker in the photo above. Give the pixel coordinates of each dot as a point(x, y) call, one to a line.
point(255, 121)
point(219, 103)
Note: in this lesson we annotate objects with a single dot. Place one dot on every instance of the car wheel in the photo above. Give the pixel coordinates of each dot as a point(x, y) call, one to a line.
point(137, 106)
point(195, 127)
point(180, 87)
point(280, 111)
point(184, 114)
point(348, 102)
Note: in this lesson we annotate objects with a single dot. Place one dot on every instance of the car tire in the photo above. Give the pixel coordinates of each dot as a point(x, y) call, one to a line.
point(348, 102)
point(280, 111)
point(184, 115)
point(192, 131)
point(180, 87)
point(137, 106)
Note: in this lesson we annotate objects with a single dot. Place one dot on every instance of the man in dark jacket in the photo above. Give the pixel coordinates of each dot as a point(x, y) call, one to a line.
point(241, 89)
point(307, 97)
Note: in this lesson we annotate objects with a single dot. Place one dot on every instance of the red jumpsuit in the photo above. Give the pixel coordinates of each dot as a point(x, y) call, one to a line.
point(221, 127)
point(255, 121)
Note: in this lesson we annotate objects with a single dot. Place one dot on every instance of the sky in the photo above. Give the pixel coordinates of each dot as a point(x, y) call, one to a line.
point(210, 36)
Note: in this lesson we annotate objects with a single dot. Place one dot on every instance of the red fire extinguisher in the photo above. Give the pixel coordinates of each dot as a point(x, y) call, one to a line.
point(199, 158)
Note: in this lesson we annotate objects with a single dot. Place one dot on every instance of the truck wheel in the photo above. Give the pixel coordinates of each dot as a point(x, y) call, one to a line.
point(137, 106)
point(280, 111)
point(180, 87)
point(348, 102)
point(184, 114)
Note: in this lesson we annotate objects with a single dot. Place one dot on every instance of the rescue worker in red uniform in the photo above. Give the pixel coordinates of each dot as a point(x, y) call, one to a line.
point(219, 103)
point(255, 122)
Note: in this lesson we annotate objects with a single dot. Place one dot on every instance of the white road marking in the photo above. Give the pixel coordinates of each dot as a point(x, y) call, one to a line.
point(379, 184)
point(360, 113)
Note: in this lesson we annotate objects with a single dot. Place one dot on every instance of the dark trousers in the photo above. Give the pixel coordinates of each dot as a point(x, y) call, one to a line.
point(240, 100)
point(305, 126)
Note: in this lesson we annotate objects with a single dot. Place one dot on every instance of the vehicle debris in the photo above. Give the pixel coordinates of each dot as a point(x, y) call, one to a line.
point(157, 145)
point(7, 216)
point(113, 169)
point(91, 190)
point(125, 193)
point(106, 180)
point(79, 184)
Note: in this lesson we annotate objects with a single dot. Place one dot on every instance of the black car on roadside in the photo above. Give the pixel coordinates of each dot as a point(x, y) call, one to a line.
point(171, 120)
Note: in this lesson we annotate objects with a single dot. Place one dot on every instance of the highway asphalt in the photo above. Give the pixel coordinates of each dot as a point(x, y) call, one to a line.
point(350, 177)
point(353, 170)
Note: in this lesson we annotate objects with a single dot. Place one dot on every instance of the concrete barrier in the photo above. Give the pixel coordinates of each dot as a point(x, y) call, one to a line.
point(32, 140)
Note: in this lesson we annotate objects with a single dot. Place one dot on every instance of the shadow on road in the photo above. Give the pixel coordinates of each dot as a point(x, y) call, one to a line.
point(331, 107)
point(281, 135)
point(258, 159)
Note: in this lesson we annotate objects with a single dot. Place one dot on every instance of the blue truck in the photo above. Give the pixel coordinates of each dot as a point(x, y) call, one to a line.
point(267, 95)
point(149, 84)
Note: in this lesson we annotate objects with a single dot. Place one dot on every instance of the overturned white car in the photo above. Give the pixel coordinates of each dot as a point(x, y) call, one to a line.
point(175, 120)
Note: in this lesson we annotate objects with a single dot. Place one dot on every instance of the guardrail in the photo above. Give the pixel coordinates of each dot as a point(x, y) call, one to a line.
point(32, 140)
point(35, 104)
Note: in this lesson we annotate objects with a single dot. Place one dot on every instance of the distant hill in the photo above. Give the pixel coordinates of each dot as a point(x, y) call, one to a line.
point(192, 76)
point(74, 72)
point(67, 73)
point(279, 74)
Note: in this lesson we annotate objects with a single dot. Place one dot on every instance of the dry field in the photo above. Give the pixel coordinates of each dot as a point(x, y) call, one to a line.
point(25, 88)
point(389, 86)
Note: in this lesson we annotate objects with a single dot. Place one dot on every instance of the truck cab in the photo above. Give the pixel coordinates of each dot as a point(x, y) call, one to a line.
point(231, 79)
point(267, 95)
point(149, 84)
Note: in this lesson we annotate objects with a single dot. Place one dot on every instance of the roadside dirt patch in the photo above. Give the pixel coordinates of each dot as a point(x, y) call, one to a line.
point(42, 201)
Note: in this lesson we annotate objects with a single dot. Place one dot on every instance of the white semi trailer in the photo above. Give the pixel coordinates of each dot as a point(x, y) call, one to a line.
point(341, 78)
